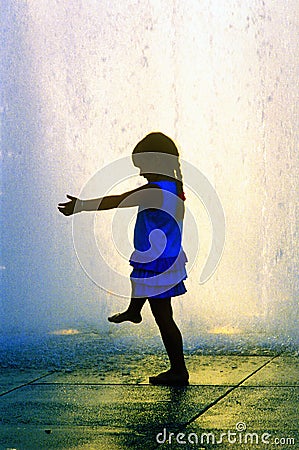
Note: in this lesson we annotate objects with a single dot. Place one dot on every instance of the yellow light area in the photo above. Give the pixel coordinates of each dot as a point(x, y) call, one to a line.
point(68, 332)
point(226, 329)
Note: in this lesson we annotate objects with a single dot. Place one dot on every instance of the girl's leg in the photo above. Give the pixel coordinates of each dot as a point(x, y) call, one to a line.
point(172, 339)
point(132, 314)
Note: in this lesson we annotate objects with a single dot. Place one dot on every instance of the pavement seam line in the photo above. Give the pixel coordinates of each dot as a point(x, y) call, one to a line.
point(26, 384)
point(138, 385)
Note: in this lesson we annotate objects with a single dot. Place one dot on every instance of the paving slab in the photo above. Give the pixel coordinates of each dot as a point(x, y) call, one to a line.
point(282, 371)
point(120, 369)
point(222, 370)
point(204, 370)
point(134, 414)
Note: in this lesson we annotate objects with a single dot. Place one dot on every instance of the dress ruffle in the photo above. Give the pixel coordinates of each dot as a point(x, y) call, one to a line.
point(160, 265)
point(160, 278)
point(142, 290)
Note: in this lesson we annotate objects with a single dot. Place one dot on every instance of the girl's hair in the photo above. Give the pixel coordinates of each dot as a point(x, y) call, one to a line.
point(160, 143)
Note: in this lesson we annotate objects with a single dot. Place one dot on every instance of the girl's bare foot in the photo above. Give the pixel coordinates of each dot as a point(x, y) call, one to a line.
point(171, 378)
point(125, 316)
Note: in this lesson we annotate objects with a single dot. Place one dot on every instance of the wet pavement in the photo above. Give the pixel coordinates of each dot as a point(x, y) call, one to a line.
point(232, 402)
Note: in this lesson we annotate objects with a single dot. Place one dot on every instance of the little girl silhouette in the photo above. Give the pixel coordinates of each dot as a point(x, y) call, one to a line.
point(158, 259)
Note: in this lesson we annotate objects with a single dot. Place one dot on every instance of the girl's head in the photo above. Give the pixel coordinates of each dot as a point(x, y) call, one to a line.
point(151, 156)
point(156, 142)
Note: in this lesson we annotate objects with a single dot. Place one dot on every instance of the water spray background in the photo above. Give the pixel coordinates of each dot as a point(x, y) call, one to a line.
point(84, 82)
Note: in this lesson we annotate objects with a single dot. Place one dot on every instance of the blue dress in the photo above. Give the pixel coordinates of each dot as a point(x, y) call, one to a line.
point(158, 259)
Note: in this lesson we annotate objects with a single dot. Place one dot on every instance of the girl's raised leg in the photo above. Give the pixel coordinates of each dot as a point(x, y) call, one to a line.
point(132, 314)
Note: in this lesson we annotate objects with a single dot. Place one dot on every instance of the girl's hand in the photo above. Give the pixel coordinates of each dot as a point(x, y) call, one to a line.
point(68, 208)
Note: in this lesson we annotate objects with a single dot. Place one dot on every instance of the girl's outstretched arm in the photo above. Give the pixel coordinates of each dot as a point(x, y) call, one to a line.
point(149, 196)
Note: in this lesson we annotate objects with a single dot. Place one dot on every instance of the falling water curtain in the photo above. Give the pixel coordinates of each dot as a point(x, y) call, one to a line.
point(83, 82)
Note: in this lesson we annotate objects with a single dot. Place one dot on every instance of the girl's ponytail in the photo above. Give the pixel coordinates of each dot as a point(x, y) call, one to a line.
point(179, 178)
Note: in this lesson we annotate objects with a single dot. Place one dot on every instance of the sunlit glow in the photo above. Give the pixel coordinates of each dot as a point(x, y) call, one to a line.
point(68, 332)
point(228, 330)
